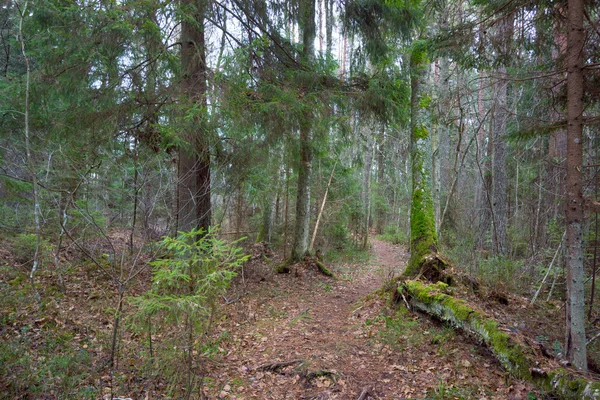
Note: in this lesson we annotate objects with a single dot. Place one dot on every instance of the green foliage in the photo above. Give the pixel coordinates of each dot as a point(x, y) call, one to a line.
point(185, 290)
point(394, 235)
point(24, 246)
point(399, 331)
point(376, 20)
point(56, 369)
point(349, 254)
point(189, 282)
point(500, 271)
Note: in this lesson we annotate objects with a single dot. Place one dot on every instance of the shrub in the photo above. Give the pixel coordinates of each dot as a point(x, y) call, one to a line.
point(182, 301)
point(395, 235)
point(24, 246)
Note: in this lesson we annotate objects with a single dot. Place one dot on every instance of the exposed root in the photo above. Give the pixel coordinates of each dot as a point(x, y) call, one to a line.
point(284, 268)
point(323, 268)
point(278, 366)
point(433, 269)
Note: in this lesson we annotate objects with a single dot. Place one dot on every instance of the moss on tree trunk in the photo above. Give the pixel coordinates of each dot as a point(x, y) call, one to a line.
point(423, 237)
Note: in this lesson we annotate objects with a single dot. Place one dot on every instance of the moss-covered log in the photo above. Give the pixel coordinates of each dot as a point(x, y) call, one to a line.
point(518, 359)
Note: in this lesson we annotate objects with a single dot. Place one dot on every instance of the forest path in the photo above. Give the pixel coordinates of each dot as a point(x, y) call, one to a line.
point(341, 341)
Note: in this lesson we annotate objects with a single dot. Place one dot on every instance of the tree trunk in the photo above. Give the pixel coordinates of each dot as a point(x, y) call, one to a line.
point(499, 177)
point(300, 247)
point(30, 162)
point(329, 4)
point(575, 332)
point(366, 192)
point(381, 211)
point(485, 183)
point(268, 218)
point(423, 237)
point(194, 209)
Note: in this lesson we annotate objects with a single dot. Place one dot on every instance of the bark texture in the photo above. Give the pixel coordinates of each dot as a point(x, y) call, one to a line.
point(499, 177)
point(575, 335)
point(301, 238)
point(194, 204)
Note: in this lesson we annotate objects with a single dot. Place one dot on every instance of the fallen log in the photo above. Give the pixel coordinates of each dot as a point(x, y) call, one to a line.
point(516, 358)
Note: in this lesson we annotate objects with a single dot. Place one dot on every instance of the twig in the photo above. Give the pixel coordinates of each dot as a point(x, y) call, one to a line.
point(549, 269)
point(593, 338)
point(364, 394)
point(405, 301)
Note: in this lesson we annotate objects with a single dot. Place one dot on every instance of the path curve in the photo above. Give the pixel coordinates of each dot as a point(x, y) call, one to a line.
point(339, 330)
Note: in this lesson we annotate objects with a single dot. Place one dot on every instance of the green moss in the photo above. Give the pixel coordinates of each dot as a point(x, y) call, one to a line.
point(458, 307)
point(324, 269)
point(283, 268)
point(460, 314)
point(421, 132)
point(423, 238)
point(568, 387)
point(513, 357)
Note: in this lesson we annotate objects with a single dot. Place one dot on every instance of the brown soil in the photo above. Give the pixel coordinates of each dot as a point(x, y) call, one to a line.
point(342, 337)
point(342, 341)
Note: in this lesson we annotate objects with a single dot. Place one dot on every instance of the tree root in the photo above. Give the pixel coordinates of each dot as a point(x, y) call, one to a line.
point(319, 374)
point(433, 267)
point(278, 366)
point(284, 268)
point(323, 268)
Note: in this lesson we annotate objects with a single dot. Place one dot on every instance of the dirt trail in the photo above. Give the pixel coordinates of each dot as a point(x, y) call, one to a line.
point(342, 342)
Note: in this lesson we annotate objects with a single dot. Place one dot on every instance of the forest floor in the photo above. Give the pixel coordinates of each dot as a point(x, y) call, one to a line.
point(306, 336)
point(300, 335)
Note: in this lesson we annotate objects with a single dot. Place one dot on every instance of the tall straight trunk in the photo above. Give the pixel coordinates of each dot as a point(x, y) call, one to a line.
point(555, 170)
point(444, 176)
point(30, 163)
point(575, 332)
point(423, 236)
point(239, 209)
point(301, 238)
point(286, 209)
point(194, 158)
point(269, 209)
point(268, 218)
point(381, 214)
point(314, 235)
point(329, 4)
point(499, 177)
point(366, 192)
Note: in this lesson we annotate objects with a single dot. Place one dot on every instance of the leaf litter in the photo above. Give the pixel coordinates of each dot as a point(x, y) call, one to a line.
point(339, 338)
